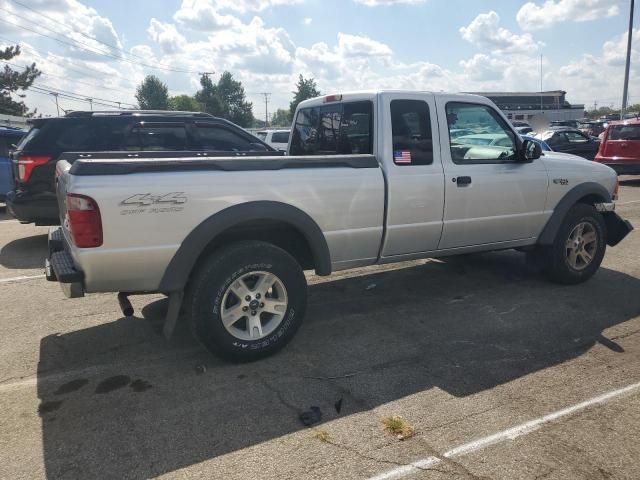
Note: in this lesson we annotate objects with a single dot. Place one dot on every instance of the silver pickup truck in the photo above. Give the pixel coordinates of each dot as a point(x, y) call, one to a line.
point(371, 178)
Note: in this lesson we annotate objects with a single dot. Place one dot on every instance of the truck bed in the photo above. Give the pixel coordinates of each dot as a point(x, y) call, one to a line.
point(149, 203)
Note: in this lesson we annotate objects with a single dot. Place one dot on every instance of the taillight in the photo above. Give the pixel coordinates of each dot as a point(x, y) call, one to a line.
point(26, 164)
point(83, 217)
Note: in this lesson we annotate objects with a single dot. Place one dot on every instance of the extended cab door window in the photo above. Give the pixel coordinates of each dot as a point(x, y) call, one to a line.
point(411, 131)
point(490, 140)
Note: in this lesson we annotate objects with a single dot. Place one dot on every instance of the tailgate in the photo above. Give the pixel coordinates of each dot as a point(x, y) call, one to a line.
point(62, 181)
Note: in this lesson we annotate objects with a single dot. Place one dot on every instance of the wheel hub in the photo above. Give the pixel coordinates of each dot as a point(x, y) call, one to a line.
point(254, 305)
point(581, 246)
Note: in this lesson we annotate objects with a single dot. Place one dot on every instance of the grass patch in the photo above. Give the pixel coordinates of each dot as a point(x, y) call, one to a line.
point(322, 435)
point(398, 426)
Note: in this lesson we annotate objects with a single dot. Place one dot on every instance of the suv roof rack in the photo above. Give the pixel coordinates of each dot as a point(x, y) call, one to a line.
point(122, 113)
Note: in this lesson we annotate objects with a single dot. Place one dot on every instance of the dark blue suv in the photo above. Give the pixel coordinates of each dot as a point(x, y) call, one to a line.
point(33, 195)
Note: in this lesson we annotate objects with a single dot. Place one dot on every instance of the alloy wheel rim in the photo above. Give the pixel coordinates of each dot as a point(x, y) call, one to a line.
point(581, 246)
point(254, 305)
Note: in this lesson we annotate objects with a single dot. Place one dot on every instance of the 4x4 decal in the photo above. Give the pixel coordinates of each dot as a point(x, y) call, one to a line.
point(146, 199)
point(161, 203)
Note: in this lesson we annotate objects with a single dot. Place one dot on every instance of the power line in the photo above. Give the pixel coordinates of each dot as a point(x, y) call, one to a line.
point(41, 57)
point(74, 80)
point(84, 34)
point(82, 46)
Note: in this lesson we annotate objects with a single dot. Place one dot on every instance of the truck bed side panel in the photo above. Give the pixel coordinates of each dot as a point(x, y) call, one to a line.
point(146, 216)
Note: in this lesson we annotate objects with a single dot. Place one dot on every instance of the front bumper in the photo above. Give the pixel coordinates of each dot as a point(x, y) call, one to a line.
point(39, 208)
point(59, 266)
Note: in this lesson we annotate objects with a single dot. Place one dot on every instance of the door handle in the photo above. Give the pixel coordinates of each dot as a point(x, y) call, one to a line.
point(461, 181)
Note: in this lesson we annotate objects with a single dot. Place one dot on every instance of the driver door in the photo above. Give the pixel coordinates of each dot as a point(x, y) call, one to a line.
point(490, 196)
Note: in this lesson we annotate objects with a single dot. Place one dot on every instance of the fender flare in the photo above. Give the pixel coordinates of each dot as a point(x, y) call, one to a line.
point(181, 265)
point(569, 200)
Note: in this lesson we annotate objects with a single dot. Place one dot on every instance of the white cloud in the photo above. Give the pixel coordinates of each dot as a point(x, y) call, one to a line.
point(485, 32)
point(166, 35)
point(376, 3)
point(252, 5)
point(361, 46)
point(307, 21)
point(203, 15)
point(532, 16)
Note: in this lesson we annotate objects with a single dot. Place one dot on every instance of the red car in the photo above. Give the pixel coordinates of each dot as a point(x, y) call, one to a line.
point(620, 147)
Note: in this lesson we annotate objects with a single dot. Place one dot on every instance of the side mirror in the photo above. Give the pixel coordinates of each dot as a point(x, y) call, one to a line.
point(530, 151)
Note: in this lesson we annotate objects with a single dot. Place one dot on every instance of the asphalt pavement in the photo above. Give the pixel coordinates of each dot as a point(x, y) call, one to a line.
point(498, 373)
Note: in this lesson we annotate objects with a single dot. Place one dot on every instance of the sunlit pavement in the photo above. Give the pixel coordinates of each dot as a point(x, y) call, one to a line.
point(464, 349)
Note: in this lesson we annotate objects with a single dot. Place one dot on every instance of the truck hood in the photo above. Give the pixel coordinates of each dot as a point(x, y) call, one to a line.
point(578, 170)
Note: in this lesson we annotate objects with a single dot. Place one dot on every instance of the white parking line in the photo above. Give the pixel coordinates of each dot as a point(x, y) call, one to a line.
point(20, 279)
point(502, 436)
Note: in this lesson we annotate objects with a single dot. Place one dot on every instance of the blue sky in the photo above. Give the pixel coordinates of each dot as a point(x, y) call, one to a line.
point(350, 44)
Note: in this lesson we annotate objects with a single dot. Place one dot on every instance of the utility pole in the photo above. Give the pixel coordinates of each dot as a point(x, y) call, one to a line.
point(625, 91)
point(541, 98)
point(119, 108)
point(90, 100)
point(206, 74)
point(266, 110)
point(57, 107)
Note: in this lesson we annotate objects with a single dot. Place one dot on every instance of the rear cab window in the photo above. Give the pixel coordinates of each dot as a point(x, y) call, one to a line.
point(337, 129)
point(280, 137)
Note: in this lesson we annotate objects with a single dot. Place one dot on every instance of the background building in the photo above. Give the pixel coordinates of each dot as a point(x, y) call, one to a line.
point(526, 105)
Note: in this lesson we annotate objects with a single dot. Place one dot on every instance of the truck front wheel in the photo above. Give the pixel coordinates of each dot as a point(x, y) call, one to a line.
point(247, 300)
point(579, 246)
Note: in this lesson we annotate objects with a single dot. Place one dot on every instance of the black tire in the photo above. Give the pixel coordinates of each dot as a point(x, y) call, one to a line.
point(207, 287)
point(556, 264)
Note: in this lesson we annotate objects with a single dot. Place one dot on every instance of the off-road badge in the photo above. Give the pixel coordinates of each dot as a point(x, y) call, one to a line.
point(561, 181)
point(160, 203)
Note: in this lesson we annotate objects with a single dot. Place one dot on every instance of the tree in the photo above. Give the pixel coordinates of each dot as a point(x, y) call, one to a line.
point(232, 99)
point(280, 118)
point(206, 96)
point(305, 89)
point(152, 94)
point(12, 82)
point(184, 103)
point(225, 99)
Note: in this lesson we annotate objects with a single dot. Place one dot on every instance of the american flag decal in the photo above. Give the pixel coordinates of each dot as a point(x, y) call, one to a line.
point(402, 156)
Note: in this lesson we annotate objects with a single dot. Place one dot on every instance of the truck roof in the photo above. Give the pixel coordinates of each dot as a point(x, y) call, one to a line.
point(370, 94)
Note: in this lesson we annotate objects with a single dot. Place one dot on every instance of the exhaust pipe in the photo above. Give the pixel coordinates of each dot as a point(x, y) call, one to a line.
point(125, 304)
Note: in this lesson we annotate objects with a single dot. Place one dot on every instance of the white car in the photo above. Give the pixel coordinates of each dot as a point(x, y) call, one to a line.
point(278, 139)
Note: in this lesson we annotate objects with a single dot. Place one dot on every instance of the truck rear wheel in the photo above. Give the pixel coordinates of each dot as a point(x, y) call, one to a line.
point(247, 300)
point(579, 246)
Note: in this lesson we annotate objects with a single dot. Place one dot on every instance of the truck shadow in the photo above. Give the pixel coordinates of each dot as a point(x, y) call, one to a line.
point(26, 252)
point(132, 406)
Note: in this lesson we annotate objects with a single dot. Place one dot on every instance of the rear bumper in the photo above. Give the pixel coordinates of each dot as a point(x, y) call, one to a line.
point(39, 208)
point(59, 266)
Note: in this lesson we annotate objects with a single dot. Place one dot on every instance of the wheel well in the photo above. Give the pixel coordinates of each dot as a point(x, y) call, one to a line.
point(591, 199)
point(278, 233)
